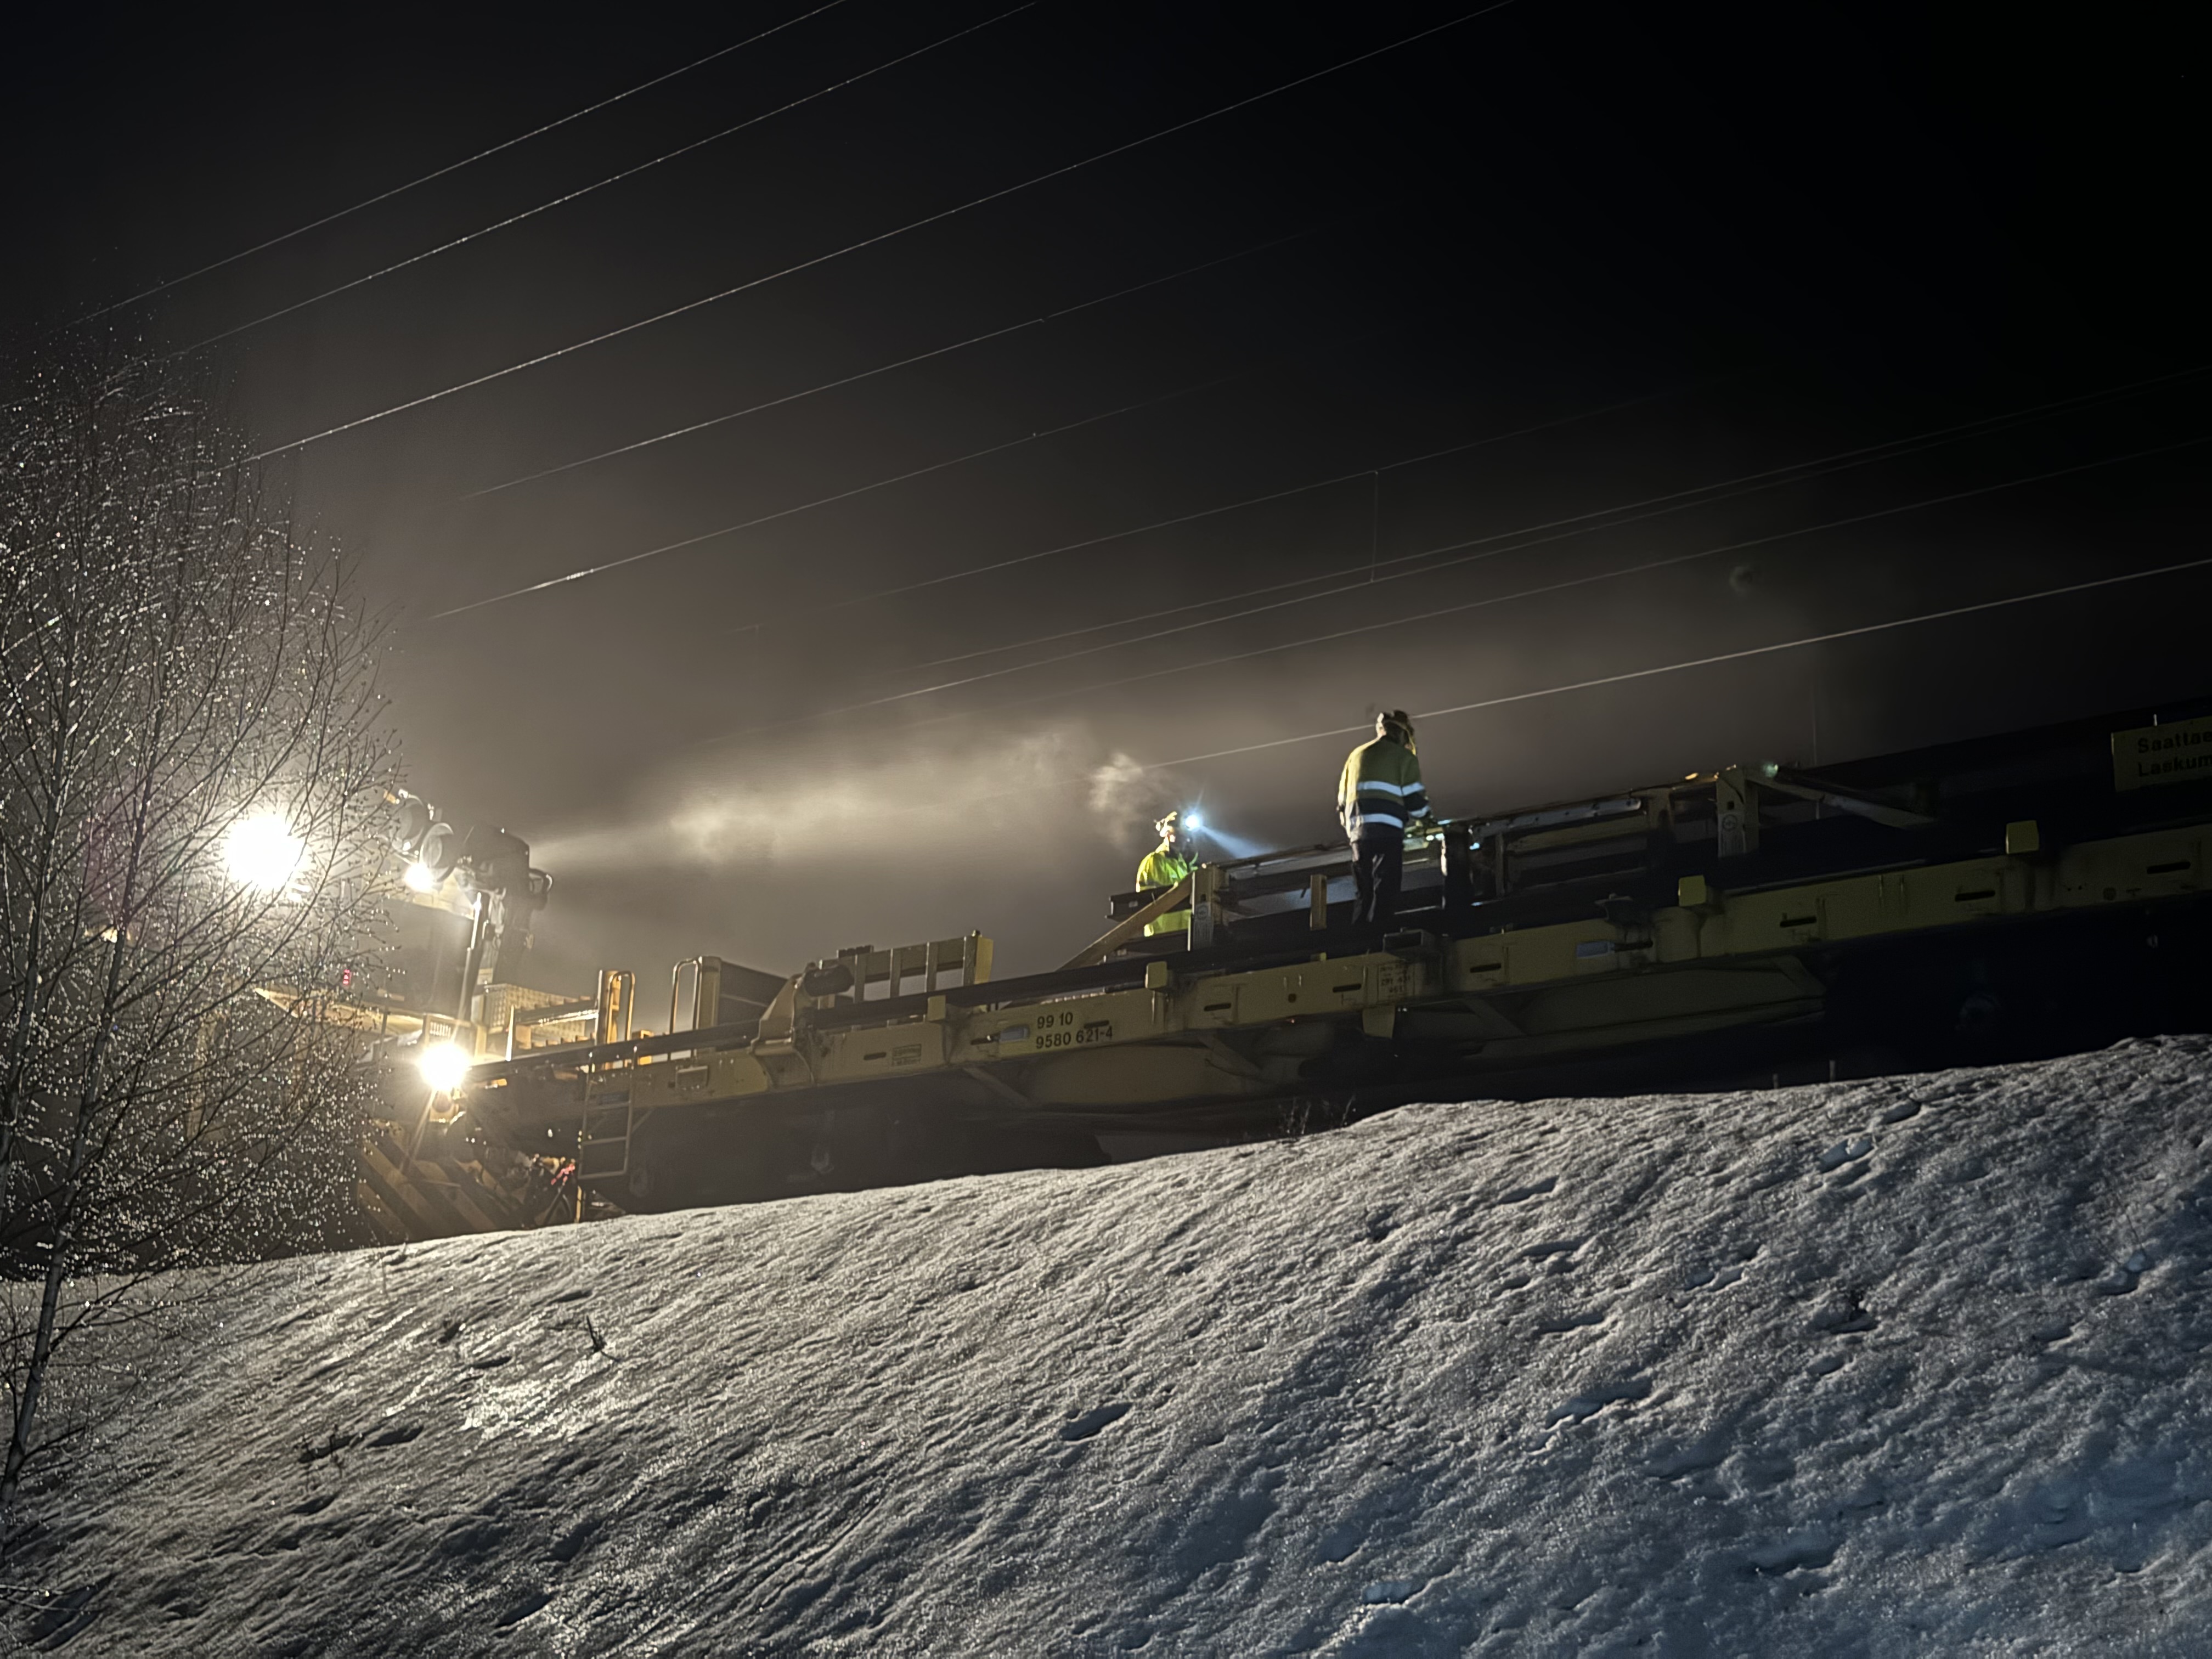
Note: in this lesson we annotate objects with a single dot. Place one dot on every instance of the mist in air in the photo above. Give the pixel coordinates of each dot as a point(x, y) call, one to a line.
point(1482, 367)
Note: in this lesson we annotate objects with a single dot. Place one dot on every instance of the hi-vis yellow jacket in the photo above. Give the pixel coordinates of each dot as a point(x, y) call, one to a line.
point(1380, 789)
point(1164, 867)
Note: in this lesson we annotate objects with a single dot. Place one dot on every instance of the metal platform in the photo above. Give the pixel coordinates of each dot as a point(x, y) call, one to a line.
point(1977, 900)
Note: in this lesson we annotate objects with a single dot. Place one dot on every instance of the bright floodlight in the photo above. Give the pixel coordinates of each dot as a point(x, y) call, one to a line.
point(1192, 822)
point(262, 852)
point(443, 1066)
point(422, 877)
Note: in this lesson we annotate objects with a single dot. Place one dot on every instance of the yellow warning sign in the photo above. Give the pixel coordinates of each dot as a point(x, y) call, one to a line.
point(2177, 752)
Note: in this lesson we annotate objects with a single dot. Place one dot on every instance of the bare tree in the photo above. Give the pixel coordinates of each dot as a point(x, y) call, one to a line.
point(194, 755)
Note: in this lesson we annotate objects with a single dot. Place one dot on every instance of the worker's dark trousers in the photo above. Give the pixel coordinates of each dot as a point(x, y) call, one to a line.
point(1378, 863)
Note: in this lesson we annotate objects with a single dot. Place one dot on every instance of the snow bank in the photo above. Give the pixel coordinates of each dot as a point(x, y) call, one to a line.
point(1912, 1366)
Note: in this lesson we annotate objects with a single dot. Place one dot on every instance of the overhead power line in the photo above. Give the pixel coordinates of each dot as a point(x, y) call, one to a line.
point(1701, 494)
point(973, 455)
point(835, 496)
point(585, 189)
point(1948, 613)
point(1629, 675)
point(871, 241)
point(1568, 584)
point(1353, 578)
point(1215, 512)
point(885, 369)
point(453, 166)
point(1564, 584)
point(826, 500)
point(1904, 445)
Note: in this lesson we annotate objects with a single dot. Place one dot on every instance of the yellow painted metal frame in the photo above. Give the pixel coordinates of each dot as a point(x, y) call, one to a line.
point(1714, 959)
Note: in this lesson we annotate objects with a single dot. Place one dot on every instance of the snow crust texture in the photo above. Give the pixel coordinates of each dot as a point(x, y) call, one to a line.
point(1914, 1366)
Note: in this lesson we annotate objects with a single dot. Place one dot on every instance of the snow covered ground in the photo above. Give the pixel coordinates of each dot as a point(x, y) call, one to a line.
point(1917, 1366)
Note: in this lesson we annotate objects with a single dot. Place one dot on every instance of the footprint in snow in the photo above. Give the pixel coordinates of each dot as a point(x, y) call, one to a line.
point(529, 1602)
point(1090, 1423)
point(1708, 1452)
point(1559, 1324)
point(1595, 1398)
point(2121, 1279)
point(1790, 1554)
point(1341, 1542)
point(1760, 1473)
point(1845, 1317)
point(312, 1451)
point(1844, 1151)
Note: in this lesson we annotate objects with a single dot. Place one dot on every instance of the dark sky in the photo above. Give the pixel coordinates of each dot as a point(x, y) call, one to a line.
point(1641, 250)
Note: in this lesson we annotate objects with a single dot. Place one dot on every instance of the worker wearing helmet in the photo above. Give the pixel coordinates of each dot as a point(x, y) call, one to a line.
point(1378, 795)
point(1164, 866)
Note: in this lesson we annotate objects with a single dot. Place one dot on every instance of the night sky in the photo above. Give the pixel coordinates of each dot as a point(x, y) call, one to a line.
point(1580, 257)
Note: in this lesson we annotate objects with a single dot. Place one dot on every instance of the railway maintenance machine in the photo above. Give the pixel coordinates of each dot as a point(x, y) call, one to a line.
point(2005, 897)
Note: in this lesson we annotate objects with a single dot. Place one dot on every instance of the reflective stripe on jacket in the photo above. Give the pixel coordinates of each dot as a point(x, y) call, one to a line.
point(1163, 868)
point(1380, 789)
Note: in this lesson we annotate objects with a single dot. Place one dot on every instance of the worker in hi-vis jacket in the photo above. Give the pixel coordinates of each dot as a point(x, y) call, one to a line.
point(1164, 866)
point(1379, 794)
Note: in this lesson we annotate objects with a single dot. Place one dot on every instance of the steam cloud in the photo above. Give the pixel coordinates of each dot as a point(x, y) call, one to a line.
point(1126, 799)
point(1037, 789)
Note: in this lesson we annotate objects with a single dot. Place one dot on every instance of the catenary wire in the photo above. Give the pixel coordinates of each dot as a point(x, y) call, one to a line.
point(1564, 584)
point(1366, 575)
point(452, 166)
point(1702, 494)
point(1084, 779)
point(1915, 440)
point(1629, 674)
point(1212, 512)
point(871, 241)
point(993, 449)
point(1215, 512)
point(988, 450)
point(903, 363)
point(585, 189)
point(1569, 583)
point(841, 496)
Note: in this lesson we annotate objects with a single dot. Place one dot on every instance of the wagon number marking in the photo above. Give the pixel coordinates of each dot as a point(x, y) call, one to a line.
point(1058, 1028)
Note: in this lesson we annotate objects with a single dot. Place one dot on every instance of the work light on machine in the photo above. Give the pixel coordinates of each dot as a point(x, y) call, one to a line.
point(428, 847)
point(262, 852)
point(444, 1065)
